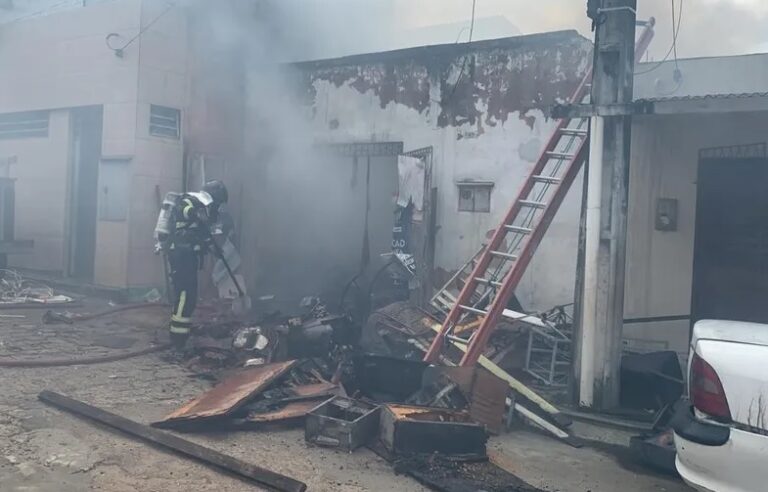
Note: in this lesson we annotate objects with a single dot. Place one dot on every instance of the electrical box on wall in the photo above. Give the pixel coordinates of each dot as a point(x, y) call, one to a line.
point(666, 214)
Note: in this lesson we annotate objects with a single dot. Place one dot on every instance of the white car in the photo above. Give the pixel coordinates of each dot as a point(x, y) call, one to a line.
point(721, 430)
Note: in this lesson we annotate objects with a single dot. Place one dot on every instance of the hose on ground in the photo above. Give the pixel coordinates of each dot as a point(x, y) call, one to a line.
point(30, 363)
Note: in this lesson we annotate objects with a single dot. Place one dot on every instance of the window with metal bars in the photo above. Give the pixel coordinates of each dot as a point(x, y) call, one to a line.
point(24, 125)
point(475, 197)
point(164, 122)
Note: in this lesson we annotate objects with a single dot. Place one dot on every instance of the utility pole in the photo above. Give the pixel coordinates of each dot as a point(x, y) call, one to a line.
point(602, 297)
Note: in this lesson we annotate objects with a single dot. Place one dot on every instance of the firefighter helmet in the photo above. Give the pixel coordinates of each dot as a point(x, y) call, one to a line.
point(217, 190)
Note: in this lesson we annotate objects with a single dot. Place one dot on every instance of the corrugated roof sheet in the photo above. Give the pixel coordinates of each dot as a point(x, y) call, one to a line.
point(705, 97)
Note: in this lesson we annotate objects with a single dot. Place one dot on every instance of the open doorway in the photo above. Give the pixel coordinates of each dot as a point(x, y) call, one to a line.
point(330, 222)
point(730, 272)
point(85, 143)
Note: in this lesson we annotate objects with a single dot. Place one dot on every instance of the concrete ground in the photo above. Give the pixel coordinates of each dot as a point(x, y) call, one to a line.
point(45, 450)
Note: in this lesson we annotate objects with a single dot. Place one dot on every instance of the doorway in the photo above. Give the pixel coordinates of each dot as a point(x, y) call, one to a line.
point(730, 271)
point(86, 136)
point(330, 221)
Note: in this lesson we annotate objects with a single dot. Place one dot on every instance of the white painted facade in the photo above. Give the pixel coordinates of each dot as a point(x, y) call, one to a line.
point(60, 61)
point(665, 157)
point(16, 10)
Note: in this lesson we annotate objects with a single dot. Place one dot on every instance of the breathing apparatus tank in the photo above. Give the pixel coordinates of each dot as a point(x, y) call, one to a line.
point(166, 221)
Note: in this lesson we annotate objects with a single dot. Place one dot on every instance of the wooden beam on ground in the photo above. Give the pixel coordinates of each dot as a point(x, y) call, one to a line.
point(523, 412)
point(516, 385)
point(547, 426)
point(207, 456)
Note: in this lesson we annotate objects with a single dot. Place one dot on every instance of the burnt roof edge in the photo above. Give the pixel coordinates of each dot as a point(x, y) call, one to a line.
point(451, 49)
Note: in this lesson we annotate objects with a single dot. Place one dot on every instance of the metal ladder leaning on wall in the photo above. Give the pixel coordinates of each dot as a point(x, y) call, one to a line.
point(484, 286)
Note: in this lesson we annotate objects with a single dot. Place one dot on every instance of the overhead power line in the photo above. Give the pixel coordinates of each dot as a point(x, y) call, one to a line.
point(673, 47)
point(464, 61)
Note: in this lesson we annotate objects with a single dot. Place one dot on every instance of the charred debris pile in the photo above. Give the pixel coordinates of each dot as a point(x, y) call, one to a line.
point(353, 386)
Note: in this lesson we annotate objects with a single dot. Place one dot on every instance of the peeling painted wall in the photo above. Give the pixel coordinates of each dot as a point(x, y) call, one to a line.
point(480, 107)
point(479, 85)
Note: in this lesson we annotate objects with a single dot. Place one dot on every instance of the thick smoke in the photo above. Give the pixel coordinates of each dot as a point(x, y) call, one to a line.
point(294, 211)
point(301, 214)
point(312, 29)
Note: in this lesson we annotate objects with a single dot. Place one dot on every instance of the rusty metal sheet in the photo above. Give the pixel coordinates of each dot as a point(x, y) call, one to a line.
point(488, 400)
point(230, 394)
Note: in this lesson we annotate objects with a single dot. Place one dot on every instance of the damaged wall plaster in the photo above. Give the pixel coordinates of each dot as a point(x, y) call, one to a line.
point(483, 84)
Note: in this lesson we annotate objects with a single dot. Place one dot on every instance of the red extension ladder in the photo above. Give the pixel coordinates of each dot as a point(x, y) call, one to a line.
point(487, 282)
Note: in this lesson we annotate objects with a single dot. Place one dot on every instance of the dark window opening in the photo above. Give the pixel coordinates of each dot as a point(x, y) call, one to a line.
point(475, 197)
point(164, 122)
point(24, 125)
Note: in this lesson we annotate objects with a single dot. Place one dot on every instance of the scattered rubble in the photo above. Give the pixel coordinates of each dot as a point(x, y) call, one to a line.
point(310, 369)
point(382, 410)
point(17, 291)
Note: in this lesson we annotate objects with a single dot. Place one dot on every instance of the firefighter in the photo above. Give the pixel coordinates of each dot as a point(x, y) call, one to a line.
point(194, 214)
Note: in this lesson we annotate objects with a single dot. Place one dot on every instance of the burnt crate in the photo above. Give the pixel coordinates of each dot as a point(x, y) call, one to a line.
point(342, 423)
point(409, 430)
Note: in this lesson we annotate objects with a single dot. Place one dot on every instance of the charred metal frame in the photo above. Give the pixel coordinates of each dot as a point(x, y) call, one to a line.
point(405, 430)
point(342, 423)
point(427, 230)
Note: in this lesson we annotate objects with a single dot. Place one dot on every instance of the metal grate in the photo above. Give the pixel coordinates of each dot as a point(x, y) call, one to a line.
point(24, 125)
point(753, 151)
point(164, 122)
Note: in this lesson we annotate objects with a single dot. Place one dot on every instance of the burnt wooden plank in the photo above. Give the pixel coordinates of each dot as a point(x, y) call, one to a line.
point(258, 475)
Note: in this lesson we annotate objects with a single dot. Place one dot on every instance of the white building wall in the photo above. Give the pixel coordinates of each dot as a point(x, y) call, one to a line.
point(15, 10)
point(40, 172)
point(158, 161)
point(664, 164)
point(57, 62)
point(60, 60)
